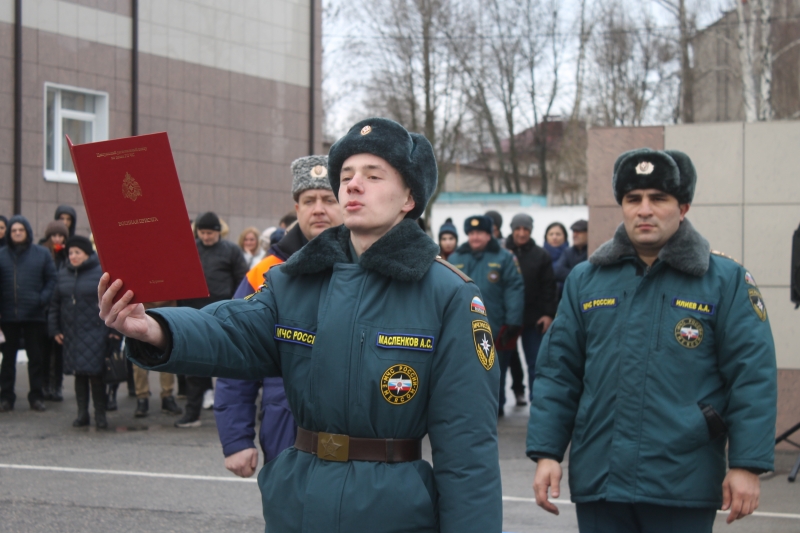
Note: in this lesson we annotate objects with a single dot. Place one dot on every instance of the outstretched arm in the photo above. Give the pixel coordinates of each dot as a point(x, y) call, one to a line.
point(125, 317)
point(231, 338)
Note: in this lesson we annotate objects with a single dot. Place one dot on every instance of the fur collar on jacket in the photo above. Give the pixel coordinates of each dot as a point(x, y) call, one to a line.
point(493, 246)
point(686, 251)
point(405, 253)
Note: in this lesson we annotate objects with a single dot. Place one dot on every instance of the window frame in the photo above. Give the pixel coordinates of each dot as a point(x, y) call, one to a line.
point(99, 120)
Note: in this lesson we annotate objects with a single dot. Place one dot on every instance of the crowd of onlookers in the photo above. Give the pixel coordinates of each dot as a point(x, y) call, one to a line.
point(48, 307)
point(520, 282)
point(48, 302)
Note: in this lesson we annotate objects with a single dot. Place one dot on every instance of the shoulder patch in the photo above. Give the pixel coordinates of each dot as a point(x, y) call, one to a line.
point(757, 301)
point(463, 276)
point(720, 254)
point(484, 344)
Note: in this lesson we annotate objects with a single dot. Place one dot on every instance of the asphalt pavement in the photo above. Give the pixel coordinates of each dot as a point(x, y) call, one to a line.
point(145, 475)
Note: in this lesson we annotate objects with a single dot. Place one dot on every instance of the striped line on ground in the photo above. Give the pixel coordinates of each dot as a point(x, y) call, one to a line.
point(67, 469)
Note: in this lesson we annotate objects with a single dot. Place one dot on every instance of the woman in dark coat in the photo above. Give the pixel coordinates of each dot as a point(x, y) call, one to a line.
point(55, 240)
point(3, 229)
point(555, 242)
point(74, 323)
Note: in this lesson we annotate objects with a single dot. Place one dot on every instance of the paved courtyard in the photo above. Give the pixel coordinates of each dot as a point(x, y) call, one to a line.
point(145, 475)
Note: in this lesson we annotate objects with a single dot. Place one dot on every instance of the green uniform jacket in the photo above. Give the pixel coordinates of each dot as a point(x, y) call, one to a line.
point(496, 272)
point(383, 348)
point(631, 360)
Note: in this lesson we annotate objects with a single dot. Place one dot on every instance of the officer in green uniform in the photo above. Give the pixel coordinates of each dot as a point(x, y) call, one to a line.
point(496, 272)
point(660, 358)
point(378, 344)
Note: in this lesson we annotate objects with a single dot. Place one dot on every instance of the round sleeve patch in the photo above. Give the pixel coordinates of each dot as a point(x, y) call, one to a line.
point(399, 384)
point(689, 333)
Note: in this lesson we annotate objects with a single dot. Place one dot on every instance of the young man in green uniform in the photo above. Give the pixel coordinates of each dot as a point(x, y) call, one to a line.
point(378, 344)
point(661, 354)
point(496, 272)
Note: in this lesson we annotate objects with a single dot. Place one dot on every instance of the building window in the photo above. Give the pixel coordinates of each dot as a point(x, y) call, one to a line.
point(80, 113)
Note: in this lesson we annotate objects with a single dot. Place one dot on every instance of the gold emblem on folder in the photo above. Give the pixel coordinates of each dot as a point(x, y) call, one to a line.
point(131, 188)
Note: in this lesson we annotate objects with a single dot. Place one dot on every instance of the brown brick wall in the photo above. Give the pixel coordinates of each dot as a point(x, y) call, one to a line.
point(233, 136)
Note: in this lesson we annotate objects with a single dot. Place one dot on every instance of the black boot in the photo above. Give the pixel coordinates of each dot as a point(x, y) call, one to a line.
point(142, 405)
point(131, 383)
point(99, 400)
point(112, 397)
point(47, 393)
point(55, 394)
point(169, 407)
point(82, 397)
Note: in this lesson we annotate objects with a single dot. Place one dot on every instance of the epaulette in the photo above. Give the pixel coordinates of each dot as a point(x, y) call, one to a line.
point(260, 288)
point(717, 252)
point(463, 276)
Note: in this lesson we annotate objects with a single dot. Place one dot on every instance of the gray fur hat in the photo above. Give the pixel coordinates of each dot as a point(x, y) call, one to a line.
point(670, 171)
point(310, 172)
point(411, 154)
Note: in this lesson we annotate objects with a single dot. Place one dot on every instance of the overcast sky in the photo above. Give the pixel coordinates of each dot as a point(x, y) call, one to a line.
point(340, 67)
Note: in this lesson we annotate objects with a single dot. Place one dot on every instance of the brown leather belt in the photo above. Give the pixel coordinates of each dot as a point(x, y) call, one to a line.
point(333, 447)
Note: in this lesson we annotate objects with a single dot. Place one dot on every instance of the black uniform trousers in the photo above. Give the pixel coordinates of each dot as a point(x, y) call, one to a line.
point(196, 388)
point(35, 335)
point(614, 517)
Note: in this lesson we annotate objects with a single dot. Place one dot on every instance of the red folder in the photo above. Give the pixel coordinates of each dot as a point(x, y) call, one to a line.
point(141, 228)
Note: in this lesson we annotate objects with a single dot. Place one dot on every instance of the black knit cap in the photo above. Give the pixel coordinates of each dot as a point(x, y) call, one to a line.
point(409, 153)
point(670, 171)
point(479, 222)
point(79, 241)
point(448, 227)
point(208, 220)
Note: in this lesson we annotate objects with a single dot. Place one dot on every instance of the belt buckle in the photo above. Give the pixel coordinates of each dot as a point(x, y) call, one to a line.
point(333, 447)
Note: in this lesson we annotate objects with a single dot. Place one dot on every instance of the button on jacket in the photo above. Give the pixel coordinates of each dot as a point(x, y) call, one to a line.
point(635, 357)
point(496, 272)
point(379, 348)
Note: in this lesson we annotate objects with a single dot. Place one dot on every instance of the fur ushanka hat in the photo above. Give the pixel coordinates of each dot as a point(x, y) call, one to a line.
point(409, 153)
point(478, 222)
point(310, 172)
point(670, 171)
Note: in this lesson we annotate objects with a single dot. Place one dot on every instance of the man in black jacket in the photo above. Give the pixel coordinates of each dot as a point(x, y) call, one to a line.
point(224, 267)
point(577, 253)
point(540, 289)
point(27, 278)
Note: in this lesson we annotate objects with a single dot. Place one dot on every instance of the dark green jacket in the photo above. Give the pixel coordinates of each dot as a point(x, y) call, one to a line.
point(496, 272)
point(338, 332)
point(632, 359)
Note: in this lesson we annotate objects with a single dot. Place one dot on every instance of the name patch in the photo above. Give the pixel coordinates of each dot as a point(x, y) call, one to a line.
point(295, 335)
point(700, 307)
point(598, 303)
point(405, 341)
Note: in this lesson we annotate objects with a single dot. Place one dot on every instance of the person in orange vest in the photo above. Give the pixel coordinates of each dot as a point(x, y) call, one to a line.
point(235, 400)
